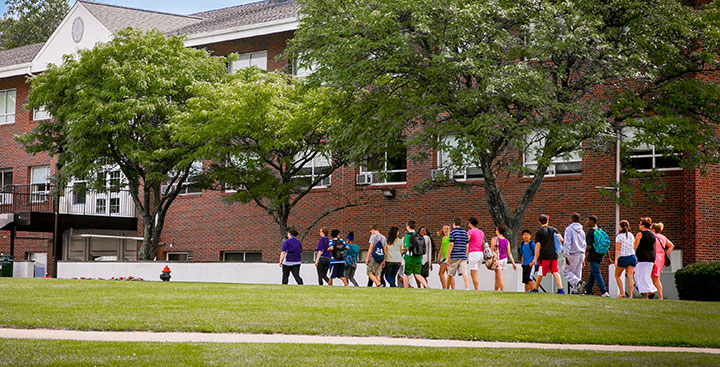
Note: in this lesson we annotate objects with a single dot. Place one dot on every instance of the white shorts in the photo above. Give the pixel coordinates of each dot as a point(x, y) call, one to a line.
point(642, 277)
point(475, 259)
point(502, 264)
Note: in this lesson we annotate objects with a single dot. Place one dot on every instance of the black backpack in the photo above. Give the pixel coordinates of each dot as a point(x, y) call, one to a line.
point(417, 244)
point(338, 251)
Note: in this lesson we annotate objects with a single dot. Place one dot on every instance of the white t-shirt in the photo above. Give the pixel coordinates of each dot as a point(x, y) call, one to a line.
point(428, 250)
point(626, 240)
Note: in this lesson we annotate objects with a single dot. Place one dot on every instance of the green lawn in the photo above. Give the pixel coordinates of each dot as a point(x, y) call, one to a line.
point(73, 353)
point(209, 307)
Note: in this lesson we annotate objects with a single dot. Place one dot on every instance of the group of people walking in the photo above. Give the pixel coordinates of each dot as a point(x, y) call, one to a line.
point(398, 259)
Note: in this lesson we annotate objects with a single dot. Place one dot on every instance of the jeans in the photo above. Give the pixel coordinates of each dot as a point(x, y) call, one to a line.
point(595, 276)
point(391, 273)
point(350, 274)
point(322, 270)
point(295, 269)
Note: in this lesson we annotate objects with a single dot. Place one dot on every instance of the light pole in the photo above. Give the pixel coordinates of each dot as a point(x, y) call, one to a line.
point(618, 126)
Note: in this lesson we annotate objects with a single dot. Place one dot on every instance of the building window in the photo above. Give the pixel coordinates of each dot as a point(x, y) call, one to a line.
point(318, 166)
point(190, 186)
point(308, 256)
point(40, 183)
point(40, 114)
point(301, 71)
point(258, 59)
point(567, 164)
point(242, 256)
point(644, 157)
point(467, 171)
point(100, 206)
point(79, 191)
point(176, 256)
point(7, 106)
point(388, 168)
point(6, 181)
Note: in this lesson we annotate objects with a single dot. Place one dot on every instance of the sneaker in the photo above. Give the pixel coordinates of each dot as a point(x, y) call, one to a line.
point(606, 294)
point(534, 291)
point(561, 291)
point(580, 286)
point(571, 288)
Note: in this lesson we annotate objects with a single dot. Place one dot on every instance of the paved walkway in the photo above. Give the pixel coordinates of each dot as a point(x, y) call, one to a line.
point(179, 337)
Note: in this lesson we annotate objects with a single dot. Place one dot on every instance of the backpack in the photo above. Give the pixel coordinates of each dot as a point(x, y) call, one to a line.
point(350, 261)
point(338, 251)
point(558, 244)
point(378, 252)
point(417, 244)
point(601, 242)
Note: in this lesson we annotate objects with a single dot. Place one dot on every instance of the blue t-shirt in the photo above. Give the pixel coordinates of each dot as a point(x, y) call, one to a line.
point(293, 249)
point(459, 238)
point(528, 252)
point(352, 250)
point(323, 245)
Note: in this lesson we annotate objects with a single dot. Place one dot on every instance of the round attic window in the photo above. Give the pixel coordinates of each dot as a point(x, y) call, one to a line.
point(78, 28)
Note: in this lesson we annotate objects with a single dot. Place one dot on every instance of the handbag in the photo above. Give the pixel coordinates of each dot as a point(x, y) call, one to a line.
point(667, 258)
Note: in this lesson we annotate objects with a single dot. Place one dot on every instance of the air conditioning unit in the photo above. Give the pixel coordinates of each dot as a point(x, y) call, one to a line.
point(365, 178)
point(327, 181)
point(441, 173)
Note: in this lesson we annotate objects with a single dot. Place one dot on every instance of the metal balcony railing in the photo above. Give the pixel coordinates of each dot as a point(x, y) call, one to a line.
point(76, 199)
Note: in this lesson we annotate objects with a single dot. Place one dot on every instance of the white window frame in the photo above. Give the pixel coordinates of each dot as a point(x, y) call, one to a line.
point(628, 134)
point(39, 195)
point(6, 197)
point(5, 115)
point(458, 173)
point(385, 172)
point(302, 72)
point(313, 165)
point(40, 114)
point(572, 157)
point(196, 169)
point(257, 58)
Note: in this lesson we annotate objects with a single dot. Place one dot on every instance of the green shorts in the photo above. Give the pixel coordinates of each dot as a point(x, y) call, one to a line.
point(412, 267)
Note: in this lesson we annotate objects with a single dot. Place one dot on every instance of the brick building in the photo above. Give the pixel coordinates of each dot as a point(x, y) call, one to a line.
point(97, 226)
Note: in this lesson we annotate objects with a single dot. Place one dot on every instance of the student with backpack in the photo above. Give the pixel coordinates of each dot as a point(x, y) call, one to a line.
point(375, 261)
point(322, 260)
point(527, 251)
point(427, 257)
point(546, 252)
point(414, 248)
point(598, 244)
point(337, 264)
point(351, 256)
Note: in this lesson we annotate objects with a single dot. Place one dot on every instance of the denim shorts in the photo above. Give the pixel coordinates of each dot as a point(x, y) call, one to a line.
point(625, 261)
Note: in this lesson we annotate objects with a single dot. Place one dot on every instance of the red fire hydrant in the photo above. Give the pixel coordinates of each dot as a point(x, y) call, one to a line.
point(165, 276)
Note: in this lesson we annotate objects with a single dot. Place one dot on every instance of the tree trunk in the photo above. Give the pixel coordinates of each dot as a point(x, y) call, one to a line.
point(147, 250)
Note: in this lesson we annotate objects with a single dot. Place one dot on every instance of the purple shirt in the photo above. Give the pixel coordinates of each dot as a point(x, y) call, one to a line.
point(323, 245)
point(502, 244)
point(477, 237)
point(293, 249)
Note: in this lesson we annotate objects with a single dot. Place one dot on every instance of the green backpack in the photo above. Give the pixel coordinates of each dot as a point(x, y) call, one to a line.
point(601, 242)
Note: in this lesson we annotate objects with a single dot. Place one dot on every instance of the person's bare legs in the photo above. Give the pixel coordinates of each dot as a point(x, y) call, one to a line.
point(465, 278)
point(406, 281)
point(451, 282)
point(330, 281)
point(631, 281)
point(344, 280)
point(658, 285)
point(499, 285)
point(420, 280)
point(441, 273)
point(474, 275)
point(537, 282)
point(558, 280)
point(618, 279)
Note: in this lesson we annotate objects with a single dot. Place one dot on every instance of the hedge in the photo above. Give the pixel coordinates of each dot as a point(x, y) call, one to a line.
point(699, 282)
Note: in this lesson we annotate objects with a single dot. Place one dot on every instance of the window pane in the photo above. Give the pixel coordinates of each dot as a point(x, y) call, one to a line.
point(40, 174)
point(233, 256)
point(259, 59)
point(114, 205)
point(474, 172)
point(176, 257)
point(397, 160)
point(3, 103)
point(667, 162)
point(641, 163)
point(308, 256)
point(568, 168)
point(11, 102)
point(397, 177)
point(253, 257)
point(79, 189)
point(100, 206)
point(7, 178)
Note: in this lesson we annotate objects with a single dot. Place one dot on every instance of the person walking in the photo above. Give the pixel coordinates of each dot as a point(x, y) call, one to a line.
point(644, 247)
point(375, 261)
point(290, 257)
point(442, 257)
point(413, 258)
point(337, 264)
point(594, 258)
point(458, 254)
point(476, 238)
point(322, 259)
point(574, 252)
point(663, 248)
point(393, 256)
point(427, 257)
point(625, 259)
point(527, 251)
point(501, 245)
point(545, 254)
point(351, 257)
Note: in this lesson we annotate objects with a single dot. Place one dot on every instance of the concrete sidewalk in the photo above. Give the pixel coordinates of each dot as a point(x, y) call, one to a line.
point(180, 337)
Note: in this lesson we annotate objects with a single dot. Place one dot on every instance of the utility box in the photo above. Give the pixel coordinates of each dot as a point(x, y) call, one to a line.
point(6, 266)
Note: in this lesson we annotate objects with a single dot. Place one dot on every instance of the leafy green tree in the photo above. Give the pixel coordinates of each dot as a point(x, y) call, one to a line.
point(30, 21)
point(503, 78)
point(262, 131)
point(114, 105)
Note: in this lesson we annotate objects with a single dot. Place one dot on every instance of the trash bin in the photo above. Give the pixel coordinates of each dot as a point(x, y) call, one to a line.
point(6, 266)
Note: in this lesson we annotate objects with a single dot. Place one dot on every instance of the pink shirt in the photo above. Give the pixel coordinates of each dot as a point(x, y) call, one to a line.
point(477, 237)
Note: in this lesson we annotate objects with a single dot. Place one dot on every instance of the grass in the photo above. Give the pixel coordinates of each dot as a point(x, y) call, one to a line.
point(73, 353)
point(211, 307)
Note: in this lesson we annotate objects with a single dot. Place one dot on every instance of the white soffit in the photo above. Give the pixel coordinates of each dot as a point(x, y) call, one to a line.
point(247, 31)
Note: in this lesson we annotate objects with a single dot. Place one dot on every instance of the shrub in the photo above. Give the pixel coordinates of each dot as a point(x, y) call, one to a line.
point(699, 282)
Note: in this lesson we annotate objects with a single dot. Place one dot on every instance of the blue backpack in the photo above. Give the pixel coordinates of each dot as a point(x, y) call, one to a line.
point(601, 242)
point(558, 244)
point(378, 252)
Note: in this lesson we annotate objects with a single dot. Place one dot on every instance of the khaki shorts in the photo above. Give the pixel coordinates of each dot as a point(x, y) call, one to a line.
point(457, 267)
point(374, 267)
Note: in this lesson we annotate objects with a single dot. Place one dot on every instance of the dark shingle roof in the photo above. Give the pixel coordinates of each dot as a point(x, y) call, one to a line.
point(236, 16)
point(19, 55)
point(115, 18)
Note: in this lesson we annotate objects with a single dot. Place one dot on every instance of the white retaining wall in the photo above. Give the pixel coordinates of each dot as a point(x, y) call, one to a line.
point(250, 273)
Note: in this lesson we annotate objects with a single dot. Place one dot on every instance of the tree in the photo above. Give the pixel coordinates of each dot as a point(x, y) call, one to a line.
point(30, 21)
point(262, 132)
point(503, 78)
point(114, 105)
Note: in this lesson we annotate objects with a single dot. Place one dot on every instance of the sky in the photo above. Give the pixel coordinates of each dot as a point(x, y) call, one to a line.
point(168, 6)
